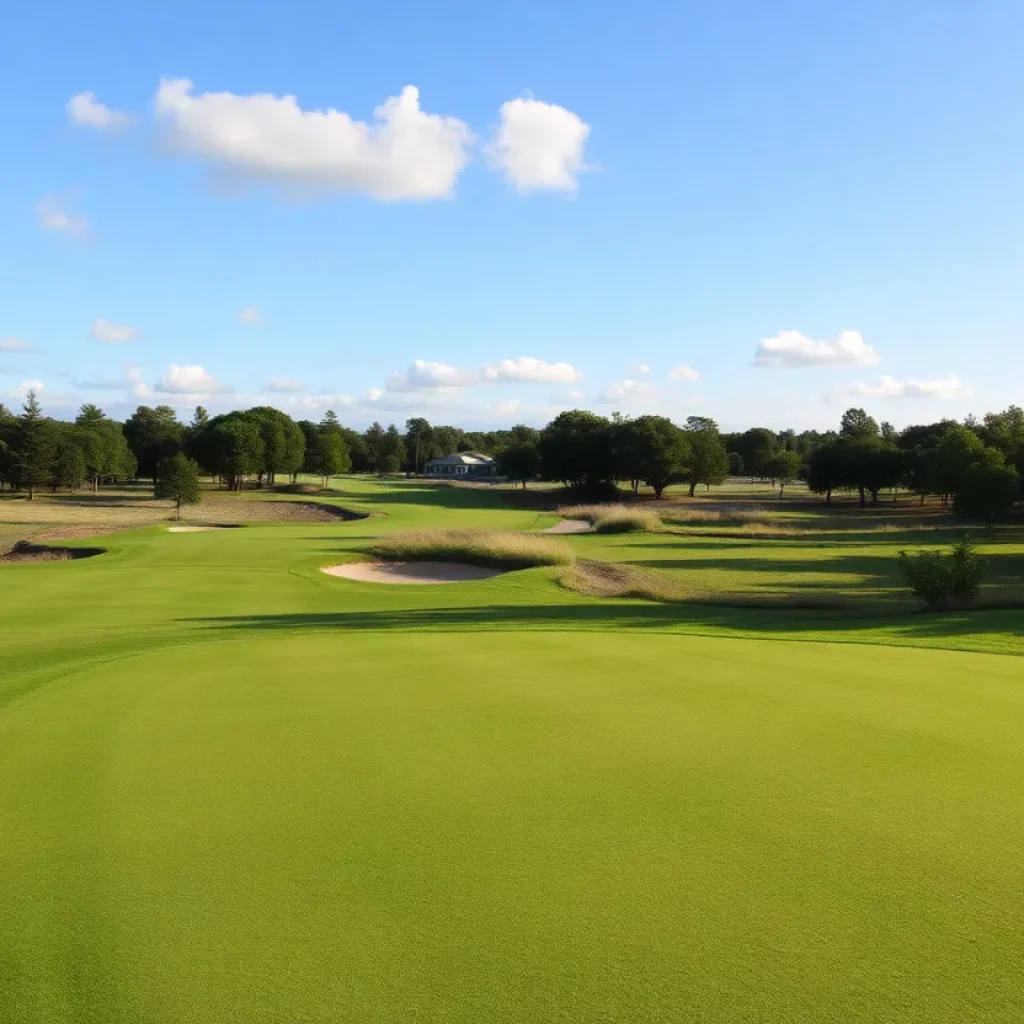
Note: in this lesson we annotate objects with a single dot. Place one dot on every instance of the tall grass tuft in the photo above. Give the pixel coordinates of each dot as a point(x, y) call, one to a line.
point(606, 579)
point(614, 518)
point(474, 547)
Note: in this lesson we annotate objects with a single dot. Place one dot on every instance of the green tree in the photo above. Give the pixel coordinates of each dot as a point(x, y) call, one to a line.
point(736, 464)
point(393, 452)
point(331, 454)
point(574, 448)
point(783, 466)
point(35, 447)
point(419, 443)
point(988, 490)
point(236, 449)
point(756, 447)
point(69, 467)
point(709, 462)
point(178, 481)
point(520, 461)
point(828, 468)
point(153, 435)
point(662, 451)
point(375, 439)
point(1005, 432)
point(856, 423)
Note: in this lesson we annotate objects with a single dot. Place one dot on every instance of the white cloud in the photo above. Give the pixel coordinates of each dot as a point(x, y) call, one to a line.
point(639, 368)
point(24, 388)
point(14, 345)
point(112, 334)
point(627, 391)
point(424, 375)
point(890, 387)
point(527, 368)
point(53, 216)
point(791, 349)
point(404, 154)
point(539, 146)
point(85, 109)
point(250, 315)
point(188, 380)
point(683, 372)
point(284, 385)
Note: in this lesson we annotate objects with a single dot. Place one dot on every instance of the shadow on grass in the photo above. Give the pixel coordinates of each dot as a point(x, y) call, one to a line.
point(620, 615)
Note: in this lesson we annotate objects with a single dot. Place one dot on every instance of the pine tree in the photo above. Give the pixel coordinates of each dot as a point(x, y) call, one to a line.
point(178, 480)
point(35, 447)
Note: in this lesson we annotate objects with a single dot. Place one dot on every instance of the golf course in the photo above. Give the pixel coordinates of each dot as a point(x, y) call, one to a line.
point(236, 788)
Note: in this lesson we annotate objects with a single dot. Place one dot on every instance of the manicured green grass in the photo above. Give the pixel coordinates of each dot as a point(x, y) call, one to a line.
point(235, 789)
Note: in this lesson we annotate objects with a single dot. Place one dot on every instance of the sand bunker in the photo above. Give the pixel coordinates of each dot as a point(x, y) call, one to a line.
point(411, 572)
point(569, 526)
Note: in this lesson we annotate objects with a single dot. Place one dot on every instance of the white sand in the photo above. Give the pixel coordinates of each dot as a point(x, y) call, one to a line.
point(411, 572)
point(192, 529)
point(569, 526)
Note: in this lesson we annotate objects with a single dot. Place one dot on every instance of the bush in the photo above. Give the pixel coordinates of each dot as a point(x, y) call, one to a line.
point(943, 580)
point(474, 547)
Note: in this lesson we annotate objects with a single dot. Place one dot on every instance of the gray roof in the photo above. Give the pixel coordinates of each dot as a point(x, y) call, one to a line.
point(462, 459)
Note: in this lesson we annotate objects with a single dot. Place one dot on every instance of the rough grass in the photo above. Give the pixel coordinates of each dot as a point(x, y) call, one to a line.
point(64, 516)
point(594, 578)
point(614, 518)
point(474, 547)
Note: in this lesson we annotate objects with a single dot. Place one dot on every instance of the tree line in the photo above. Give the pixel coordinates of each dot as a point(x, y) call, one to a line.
point(975, 466)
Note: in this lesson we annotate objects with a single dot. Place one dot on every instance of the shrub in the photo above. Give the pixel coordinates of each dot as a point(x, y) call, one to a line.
point(474, 547)
point(942, 580)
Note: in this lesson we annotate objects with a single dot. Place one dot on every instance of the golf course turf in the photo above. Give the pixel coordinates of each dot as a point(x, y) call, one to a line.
point(235, 789)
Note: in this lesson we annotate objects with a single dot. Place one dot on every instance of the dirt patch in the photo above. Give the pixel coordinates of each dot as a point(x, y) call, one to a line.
point(26, 551)
point(569, 526)
point(411, 572)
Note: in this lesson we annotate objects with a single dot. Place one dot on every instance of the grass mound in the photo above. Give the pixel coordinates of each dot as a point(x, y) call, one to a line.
point(594, 578)
point(684, 516)
point(474, 547)
point(613, 518)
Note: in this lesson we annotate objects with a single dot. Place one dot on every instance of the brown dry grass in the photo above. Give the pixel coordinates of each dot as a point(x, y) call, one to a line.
point(605, 579)
point(474, 547)
point(64, 517)
point(614, 518)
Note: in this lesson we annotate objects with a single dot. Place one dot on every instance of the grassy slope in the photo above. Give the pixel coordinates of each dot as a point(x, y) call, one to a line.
point(222, 798)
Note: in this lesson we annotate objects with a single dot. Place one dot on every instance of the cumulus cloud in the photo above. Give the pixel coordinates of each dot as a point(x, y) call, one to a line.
point(683, 372)
point(250, 315)
point(86, 110)
point(403, 154)
point(791, 350)
point(188, 380)
point(52, 213)
point(14, 345)
point(529, 369)
point(890, 387)
point(627, 391)
point(424, 375)
point(284, 386)
point(110, 333)
point(539, 146)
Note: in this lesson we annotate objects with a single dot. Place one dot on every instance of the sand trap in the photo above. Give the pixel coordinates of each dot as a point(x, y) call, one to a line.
point(193, 529)
point(411, 572)
point(569, 526)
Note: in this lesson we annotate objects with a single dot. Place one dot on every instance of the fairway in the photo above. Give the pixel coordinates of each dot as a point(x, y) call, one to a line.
point(235, 789)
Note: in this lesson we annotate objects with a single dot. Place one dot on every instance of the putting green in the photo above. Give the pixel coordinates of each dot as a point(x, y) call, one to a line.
point(590, 827)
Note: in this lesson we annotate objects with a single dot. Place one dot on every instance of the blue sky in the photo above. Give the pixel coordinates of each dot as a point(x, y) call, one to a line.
point(796, 207)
